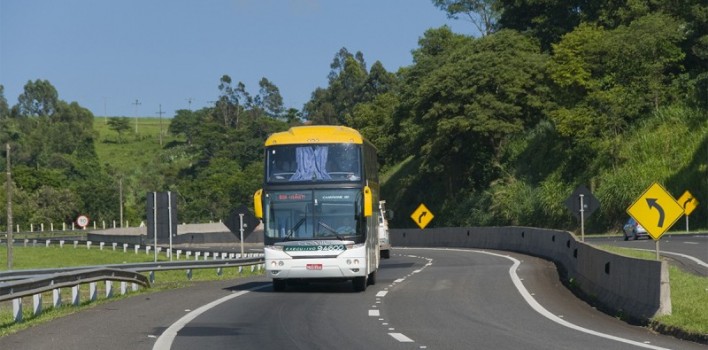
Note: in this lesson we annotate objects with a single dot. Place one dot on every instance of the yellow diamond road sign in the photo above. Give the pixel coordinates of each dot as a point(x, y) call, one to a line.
point(422, 216)
point(688, 202)
point(656, 210)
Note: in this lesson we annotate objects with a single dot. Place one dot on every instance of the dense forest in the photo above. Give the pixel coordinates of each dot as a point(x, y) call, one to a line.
point(497, 129)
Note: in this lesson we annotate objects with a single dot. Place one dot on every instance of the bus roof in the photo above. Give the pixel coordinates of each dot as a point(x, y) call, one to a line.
point(315, 134)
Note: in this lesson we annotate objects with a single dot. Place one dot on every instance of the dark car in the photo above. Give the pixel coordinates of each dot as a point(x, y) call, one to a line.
point(633, 229)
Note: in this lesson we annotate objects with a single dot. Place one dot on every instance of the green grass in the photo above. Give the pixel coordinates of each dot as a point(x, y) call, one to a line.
point(132, 148)
point(55, 257)
point(688, 295)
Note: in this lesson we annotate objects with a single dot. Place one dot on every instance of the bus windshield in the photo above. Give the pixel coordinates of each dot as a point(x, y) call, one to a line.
point(318, 163)
point(318, 214)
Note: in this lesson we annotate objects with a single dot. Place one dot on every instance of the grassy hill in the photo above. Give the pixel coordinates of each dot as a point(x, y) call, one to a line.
point(134, 148)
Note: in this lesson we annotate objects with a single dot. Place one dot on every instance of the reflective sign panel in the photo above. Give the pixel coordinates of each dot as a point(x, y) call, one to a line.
point(422, 216)
point(656, 210)
point(688, 202)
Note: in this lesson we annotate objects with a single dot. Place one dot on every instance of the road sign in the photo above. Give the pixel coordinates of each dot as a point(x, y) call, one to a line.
point(422, 216)
point(582, 194)
point(82, 221)
point(656, 210)
point(688, 202)
point(233, 221)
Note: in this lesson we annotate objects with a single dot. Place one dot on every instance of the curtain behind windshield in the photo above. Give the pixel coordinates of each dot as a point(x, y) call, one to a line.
point(311, 163)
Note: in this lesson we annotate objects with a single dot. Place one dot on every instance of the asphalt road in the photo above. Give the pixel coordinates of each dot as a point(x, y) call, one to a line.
point(688, 251)
point(423, 299)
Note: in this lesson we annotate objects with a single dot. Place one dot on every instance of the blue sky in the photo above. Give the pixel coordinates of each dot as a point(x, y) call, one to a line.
point(106, 54)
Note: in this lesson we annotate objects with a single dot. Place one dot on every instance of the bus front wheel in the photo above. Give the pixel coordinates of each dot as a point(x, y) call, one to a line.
point(279, 285)
point(359, 283)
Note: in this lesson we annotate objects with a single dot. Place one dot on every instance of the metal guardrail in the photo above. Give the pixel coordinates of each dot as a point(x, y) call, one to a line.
point(46, 283)
point(14, 285)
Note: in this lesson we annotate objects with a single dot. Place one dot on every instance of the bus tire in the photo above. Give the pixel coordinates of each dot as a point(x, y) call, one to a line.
point(279, 285)
point(359, 283)
point(372, 278)
point(385, 254)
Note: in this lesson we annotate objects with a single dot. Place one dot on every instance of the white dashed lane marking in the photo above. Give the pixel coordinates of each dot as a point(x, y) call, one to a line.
point(401, 338)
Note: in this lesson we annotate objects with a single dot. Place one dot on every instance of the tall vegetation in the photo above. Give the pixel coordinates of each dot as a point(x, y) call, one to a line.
point(491, 130)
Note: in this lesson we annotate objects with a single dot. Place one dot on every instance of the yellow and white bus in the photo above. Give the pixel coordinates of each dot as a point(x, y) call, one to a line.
point(317, 206)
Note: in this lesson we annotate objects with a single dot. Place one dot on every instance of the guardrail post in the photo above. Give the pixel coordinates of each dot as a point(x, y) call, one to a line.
point(26, 241)
point(17, 309)
point(189, 274)
point(75, 295)
point(88, 244)
point(100, 245)
point(147, 250)
point(46, 244)
point(135, 287)
point(34, 242)
point(206, 255)
point(93, 291)
point(114, 246)
point(179, 252)
point(56, 297)
point(125, 247)
point(61, 243)
point(109, 289)
point(123, 287)
point(41, 227)
point(152, 277)
point(76, 244)
point(37, 304)
point(137, 247)
point(240, 270)
point(188, 254)
point(219, 271)
point(196, 255)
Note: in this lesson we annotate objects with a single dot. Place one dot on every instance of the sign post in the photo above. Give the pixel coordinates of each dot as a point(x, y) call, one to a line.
point(656, 210)
point(582, 203)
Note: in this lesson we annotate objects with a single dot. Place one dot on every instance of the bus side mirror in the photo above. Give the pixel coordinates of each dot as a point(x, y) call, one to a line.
point(368, 202)
point(258, 204)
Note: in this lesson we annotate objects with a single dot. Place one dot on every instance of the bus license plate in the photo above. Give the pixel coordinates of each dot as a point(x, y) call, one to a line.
point(314, 266)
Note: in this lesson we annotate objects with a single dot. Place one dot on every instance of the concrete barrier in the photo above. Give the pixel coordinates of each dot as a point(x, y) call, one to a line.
point(635, 289)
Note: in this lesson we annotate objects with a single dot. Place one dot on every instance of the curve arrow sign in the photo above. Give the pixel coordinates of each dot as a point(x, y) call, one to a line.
point(653, 204)
point(421, 216)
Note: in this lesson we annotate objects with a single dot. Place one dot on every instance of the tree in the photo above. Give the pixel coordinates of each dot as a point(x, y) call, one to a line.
point(119, 125)
point(4, 108)
point(468, 100)
point(346, 79)
point(482, 13)
point(39, 98)
point(270, 98)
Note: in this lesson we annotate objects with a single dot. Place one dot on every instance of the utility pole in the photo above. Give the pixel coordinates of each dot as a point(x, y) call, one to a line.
point(189, 103)
point(9, 209)
point(105, 109)
point(120, 185)
point(160, 113)
point(136, 104)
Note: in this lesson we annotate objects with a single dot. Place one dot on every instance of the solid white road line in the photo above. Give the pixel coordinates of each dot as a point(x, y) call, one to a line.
point(164, 342)
point(541, 310)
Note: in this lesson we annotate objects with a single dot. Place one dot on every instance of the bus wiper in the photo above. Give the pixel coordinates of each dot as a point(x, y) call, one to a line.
point(331, 230)
point(294, 228)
